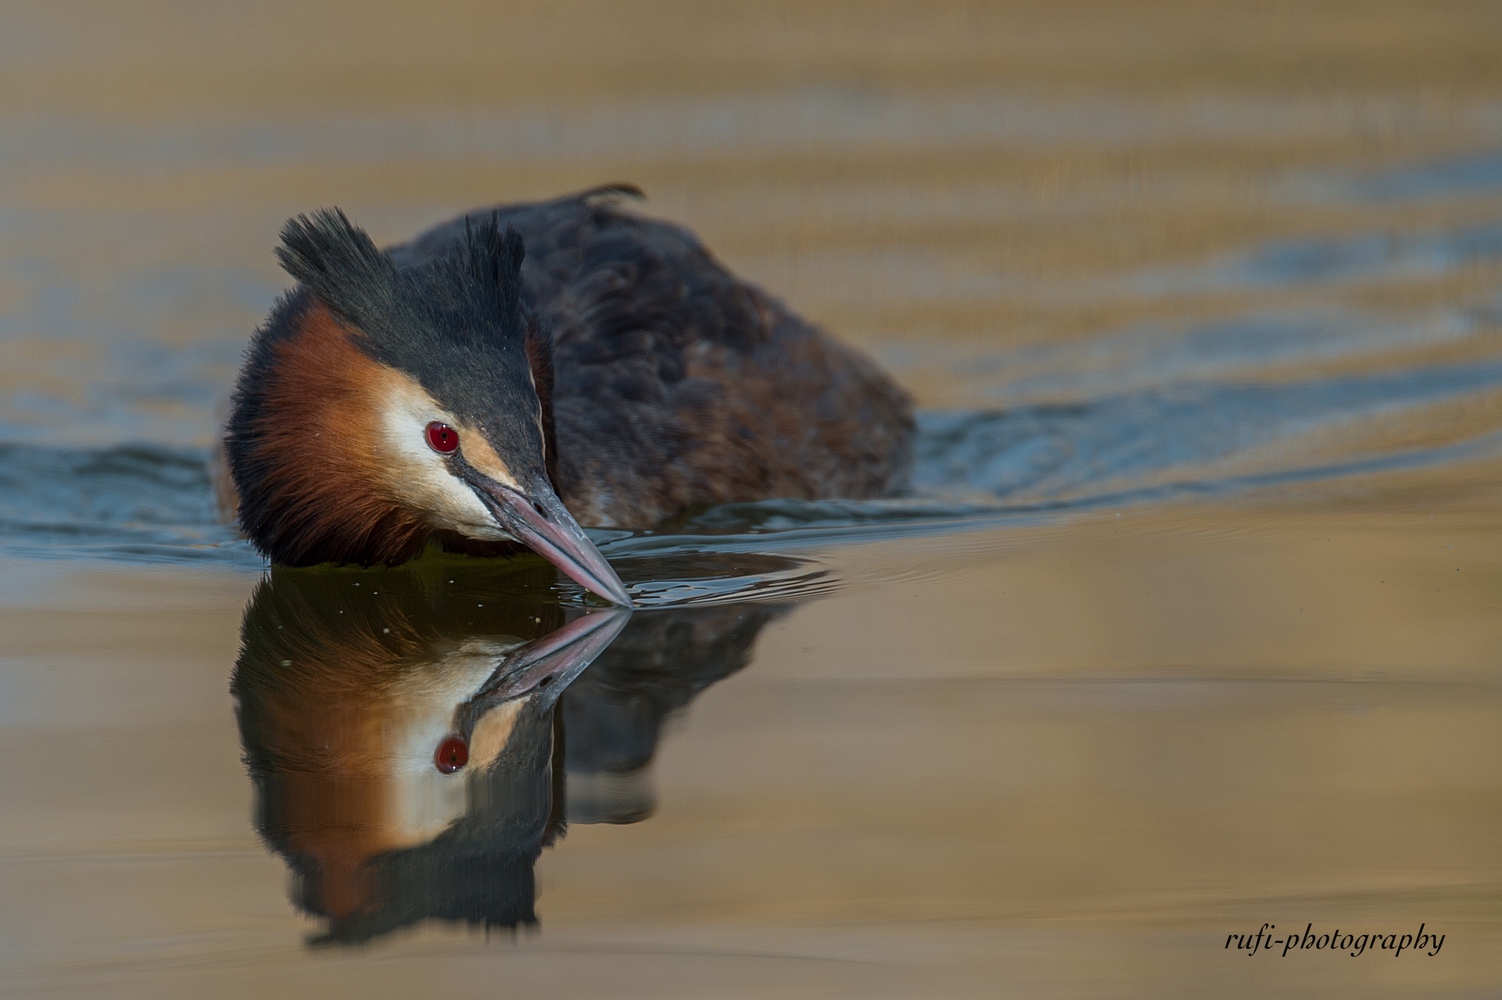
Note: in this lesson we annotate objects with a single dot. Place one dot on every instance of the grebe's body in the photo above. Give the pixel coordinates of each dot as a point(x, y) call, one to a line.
point(444, 388)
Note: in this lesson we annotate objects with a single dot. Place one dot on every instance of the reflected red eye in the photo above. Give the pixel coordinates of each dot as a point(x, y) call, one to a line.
point(453, 753)
point(442, 438)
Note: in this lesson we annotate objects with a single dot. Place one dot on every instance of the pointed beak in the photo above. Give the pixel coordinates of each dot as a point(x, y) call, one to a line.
point(548, 664)
point(539, 521)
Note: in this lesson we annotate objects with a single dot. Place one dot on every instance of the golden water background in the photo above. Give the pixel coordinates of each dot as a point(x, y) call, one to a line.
point(1064, 759)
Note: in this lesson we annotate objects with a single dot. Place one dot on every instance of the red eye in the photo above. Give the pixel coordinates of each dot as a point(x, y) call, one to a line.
point(453, 753)
point(442, 438)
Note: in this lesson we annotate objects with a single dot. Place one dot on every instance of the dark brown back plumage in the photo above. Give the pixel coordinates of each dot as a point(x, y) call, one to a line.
point(675, 385)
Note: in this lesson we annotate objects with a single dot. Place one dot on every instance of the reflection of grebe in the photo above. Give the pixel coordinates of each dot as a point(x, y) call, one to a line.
point(401, 732)
point(623, 377)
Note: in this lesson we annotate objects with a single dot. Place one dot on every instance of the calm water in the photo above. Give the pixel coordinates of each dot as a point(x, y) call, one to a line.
point(1190, 624)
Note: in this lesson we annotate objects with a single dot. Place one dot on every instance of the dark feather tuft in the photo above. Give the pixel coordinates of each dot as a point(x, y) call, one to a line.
point(488, 262)
point(456, 322)
point(339, 263)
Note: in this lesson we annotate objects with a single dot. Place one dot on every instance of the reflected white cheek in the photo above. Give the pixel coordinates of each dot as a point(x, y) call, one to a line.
point(424, 800)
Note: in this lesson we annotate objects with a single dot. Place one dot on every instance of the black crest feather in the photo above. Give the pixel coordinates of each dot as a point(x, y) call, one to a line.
point(339, 263)
point(489, 262)
point(457, 322)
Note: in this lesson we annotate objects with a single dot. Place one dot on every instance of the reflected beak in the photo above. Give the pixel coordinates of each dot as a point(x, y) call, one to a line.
point(541, 522)
point(550, 663)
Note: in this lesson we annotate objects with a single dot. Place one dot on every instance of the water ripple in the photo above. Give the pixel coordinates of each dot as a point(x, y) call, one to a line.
point(150, 503)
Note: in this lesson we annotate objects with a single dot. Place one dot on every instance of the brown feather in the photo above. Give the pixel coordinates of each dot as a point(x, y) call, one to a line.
point(314, 437)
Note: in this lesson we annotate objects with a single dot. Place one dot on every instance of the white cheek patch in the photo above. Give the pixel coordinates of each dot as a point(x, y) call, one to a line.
point(424, 800)
point(421, 476)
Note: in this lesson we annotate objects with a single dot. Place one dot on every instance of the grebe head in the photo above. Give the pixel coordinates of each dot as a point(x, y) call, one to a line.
point(381, 405)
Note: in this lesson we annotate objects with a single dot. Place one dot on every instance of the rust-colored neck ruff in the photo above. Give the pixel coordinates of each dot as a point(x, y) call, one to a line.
point(303, 450)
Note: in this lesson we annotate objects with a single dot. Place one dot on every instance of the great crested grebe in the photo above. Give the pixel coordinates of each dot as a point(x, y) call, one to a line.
point(517, 372)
